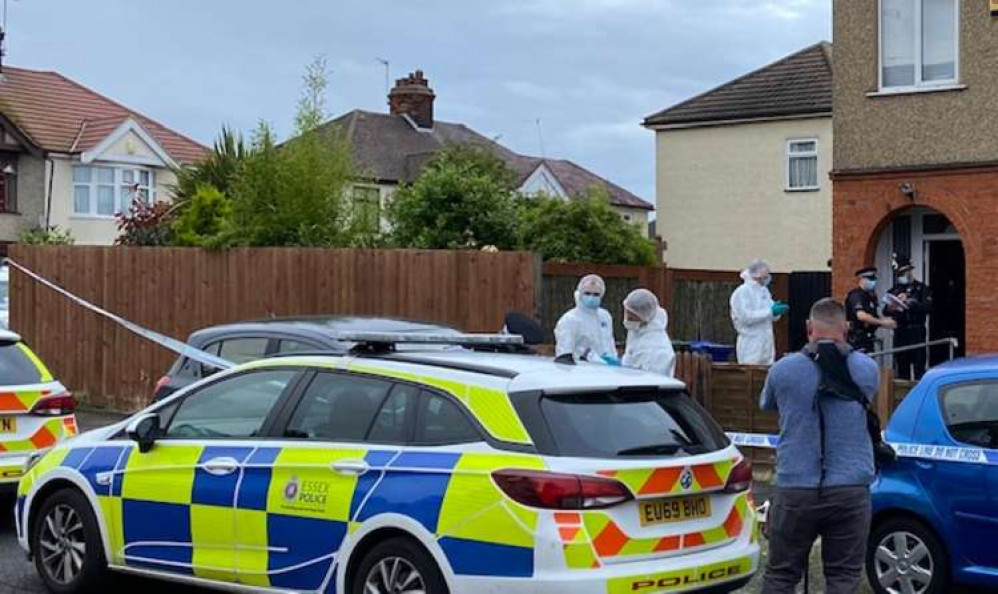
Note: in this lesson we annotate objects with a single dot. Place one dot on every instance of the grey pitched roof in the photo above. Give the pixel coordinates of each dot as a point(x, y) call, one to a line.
point(800, 84)
point(390, 149)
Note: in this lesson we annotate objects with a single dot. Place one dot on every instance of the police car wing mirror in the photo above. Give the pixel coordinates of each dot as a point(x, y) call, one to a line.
point(144, 430)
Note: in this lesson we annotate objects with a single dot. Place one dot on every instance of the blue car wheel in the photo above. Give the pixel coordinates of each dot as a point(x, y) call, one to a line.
point(905, 557)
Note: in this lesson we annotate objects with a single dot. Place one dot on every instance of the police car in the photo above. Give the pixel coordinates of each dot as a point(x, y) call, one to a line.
point(936, 508)
point(384, 472)
point(35, 410)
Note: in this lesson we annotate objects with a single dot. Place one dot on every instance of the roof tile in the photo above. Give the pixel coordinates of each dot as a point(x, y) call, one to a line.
point(800, 84)
point(390, 149)
point(59, 114)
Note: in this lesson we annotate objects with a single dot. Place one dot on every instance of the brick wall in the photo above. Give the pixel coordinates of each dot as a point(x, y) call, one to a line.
point(863, 205)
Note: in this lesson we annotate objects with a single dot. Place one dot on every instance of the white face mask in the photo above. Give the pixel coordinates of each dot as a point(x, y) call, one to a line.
point(632, 325)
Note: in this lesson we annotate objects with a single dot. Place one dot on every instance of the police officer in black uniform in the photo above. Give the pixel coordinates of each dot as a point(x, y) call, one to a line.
point(861, 310)
point(909, 302)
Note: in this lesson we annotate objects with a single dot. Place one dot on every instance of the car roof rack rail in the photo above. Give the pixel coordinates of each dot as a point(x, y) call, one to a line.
point(372, 343)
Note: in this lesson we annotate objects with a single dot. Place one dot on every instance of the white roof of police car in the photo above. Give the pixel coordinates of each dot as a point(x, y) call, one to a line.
point(531, 372)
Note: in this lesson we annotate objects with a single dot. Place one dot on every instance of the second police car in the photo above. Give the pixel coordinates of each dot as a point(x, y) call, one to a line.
point(436, 472)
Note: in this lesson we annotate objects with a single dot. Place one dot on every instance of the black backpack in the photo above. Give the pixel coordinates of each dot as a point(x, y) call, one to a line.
point(836, 382)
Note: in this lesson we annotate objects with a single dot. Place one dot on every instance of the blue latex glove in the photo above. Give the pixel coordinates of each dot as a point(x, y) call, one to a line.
point(611, 360)
point(780, 309)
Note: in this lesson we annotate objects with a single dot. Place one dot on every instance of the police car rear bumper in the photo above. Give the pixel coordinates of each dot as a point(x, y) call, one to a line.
point(729, 565)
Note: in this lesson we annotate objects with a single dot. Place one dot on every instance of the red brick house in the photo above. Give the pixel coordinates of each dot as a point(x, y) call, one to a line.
point(916, 154)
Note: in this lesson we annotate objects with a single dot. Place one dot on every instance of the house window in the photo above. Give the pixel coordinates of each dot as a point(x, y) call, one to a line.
point(802, 165)
point(919, 43)
point(106, 191)
point(367, 205)
point(8, 187)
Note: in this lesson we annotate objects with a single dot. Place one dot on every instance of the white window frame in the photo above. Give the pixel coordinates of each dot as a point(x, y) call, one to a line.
point(118, 184)
point(791, 155)
point(920, 85)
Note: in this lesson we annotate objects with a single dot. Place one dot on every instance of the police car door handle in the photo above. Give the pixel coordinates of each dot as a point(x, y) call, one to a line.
point(221, 466)
point(355, 467)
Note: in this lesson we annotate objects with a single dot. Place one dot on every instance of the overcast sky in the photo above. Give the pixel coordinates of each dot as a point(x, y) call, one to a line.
point(590, 70)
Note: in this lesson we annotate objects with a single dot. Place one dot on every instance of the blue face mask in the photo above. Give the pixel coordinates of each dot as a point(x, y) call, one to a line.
point(869, 285)
point(904, 280)
point(590, 301)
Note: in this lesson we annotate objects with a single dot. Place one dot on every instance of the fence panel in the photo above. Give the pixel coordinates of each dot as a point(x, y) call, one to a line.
point(560, 281)
point(177, 290)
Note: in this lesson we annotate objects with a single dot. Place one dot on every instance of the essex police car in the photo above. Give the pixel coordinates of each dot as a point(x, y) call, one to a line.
point(36, 411)
point(381, 472)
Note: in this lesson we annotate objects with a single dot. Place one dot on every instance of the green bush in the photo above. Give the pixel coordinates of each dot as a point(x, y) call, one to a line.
point(584, 229)
point(204, 219)
point(53, 236)
point(464, 198)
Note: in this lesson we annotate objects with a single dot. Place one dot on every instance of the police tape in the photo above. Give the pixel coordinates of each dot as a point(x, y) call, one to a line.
point(181, 348)
point(937, 453)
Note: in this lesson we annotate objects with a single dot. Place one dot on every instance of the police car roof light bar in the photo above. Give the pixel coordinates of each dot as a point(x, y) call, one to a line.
point(371, 343)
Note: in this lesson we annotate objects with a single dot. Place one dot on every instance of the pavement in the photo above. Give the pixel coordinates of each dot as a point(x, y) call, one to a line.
point(18, 576)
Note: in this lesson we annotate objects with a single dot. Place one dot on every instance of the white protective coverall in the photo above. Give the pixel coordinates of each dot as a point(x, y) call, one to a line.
point(649, 347)
point(585, 333)
point(752, 316)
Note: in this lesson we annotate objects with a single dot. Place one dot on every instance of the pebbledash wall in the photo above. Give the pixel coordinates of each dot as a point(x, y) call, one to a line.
point(943, 144)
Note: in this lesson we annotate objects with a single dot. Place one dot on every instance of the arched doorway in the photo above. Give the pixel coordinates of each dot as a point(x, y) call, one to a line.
point(933, 245)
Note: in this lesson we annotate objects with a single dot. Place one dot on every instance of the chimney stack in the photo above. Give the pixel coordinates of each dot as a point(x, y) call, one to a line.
point(413, 96)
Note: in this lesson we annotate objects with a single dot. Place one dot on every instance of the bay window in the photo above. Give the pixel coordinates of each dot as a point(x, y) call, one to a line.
point(106, 191)
point(919, 43)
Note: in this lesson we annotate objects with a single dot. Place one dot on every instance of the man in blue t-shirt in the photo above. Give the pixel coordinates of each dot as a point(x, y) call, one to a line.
point(822, 485)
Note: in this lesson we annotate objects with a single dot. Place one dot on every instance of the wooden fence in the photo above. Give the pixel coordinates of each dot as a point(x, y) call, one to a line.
point(176, 291)
point(560, 281)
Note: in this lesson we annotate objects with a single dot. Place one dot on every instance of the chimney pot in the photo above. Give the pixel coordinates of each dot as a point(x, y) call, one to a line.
point(413, 96)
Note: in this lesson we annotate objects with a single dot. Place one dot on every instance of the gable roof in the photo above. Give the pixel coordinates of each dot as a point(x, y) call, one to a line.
point(60, 115)
point(797, 85)
point(391, 149)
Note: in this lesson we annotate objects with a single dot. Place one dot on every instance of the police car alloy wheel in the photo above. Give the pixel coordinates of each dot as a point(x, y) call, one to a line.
point(66, 545)
point(398, 566)
point(905, 558)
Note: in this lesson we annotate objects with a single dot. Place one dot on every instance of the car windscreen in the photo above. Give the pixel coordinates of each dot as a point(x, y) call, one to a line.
point(16, 368)
point(629, 424)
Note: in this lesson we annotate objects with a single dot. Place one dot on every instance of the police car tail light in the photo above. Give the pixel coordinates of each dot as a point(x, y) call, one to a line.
point(60, 404)
point(549, 490)
point(740, 479)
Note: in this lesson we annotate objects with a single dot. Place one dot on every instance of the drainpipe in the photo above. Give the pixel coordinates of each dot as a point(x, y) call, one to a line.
point(48, 199)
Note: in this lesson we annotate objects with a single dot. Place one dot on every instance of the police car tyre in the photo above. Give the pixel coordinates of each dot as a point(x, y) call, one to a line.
point(398, 566)
point(66, 543)
point(903, 552)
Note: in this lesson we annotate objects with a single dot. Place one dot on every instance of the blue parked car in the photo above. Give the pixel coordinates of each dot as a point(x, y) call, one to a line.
point(935, 523)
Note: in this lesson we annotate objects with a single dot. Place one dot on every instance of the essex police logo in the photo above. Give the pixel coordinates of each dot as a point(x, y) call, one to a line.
point(291, 489)
point(686, 479)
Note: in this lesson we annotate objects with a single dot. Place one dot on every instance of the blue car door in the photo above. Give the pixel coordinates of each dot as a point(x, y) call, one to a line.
point(963, 414)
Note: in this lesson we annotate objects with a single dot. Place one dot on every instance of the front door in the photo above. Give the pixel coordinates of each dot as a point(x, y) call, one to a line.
point(947, 279)
point(178, 499)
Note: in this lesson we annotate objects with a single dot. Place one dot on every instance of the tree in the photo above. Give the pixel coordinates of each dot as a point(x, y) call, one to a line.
point(266, 194)
point(465, 198)
point(218, 169)
point(584, 229)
